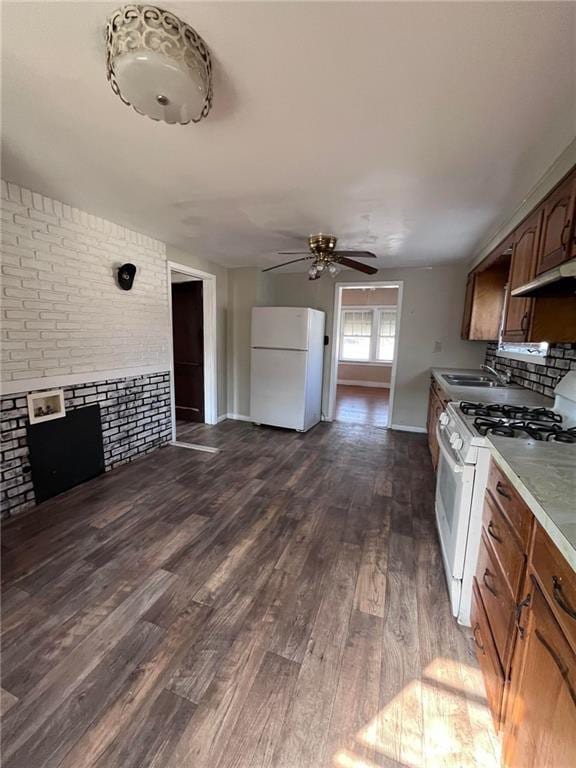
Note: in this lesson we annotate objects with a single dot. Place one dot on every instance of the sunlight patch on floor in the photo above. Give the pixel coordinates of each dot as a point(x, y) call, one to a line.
point(346, 759)
point(440, 721)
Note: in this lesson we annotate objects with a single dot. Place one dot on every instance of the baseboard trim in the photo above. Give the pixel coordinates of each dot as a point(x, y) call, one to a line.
point(351, 383)
point(408, 428)
point(237, 417)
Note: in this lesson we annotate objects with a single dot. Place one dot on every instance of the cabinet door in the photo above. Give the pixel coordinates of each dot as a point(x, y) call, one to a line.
point(542, 728)
point(467, 317)
point(556, 244)
point(517, 317)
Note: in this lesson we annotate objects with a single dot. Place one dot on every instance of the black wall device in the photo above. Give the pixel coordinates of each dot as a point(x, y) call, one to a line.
point(126, 276)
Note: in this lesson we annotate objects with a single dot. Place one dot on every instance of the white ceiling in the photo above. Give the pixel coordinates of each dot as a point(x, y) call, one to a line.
point(412, 129)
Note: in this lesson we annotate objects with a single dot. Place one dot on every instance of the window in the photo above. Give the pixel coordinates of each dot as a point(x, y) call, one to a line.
point(531, 352)
point(356, 335)
point(386, 334)
point(368, 335)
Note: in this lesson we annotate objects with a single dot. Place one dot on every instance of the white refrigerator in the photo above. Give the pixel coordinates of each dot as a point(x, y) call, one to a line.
point(287, 356)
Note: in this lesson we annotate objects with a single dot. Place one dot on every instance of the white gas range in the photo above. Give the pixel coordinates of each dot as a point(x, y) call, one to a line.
point(463, 434)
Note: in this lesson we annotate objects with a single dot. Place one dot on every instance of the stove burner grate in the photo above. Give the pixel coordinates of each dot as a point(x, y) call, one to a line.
point(511, 412)
point(563, 435)
point(537, 430)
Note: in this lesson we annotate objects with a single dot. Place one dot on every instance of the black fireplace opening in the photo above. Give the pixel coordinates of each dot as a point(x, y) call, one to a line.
point(65, 452)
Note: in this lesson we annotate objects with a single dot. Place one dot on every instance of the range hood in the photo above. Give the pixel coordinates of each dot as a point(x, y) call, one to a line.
point(560, 281)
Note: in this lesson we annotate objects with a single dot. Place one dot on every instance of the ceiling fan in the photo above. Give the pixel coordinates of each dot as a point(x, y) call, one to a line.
point(322, 249)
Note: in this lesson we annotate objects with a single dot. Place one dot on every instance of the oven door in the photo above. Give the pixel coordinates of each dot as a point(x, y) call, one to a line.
point(454, 484)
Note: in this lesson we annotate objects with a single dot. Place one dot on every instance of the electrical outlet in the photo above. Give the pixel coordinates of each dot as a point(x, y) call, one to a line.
point(437, 347)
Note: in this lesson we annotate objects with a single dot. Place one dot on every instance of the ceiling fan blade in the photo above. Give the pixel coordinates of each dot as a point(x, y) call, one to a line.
point(357, 254)
point(292, 253)
point(285, 264)
point(357, 265)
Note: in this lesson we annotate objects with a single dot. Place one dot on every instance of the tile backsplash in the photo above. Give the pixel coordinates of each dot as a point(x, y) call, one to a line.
point(540, 378)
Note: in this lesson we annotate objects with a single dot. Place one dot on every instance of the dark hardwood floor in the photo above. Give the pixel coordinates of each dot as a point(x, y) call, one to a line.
point(362, 405)
point(190, 432)
point(279, 604)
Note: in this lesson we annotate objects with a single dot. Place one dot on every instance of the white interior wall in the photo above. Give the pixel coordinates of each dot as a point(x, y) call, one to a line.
point(65, 320)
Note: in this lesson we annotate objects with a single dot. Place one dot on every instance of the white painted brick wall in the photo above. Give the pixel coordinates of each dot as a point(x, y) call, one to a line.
point(62, 311)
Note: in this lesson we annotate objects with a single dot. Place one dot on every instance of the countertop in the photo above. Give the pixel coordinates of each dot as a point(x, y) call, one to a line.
point(544, 474)
point(513, 395)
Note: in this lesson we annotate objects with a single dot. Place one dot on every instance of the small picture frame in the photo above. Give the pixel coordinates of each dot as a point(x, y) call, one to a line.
point(45, 406)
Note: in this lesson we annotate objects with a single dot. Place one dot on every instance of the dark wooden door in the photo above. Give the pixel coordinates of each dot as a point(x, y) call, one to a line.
point(517, 318)
point(556, 244)
point(188, 340)
point(542, 728)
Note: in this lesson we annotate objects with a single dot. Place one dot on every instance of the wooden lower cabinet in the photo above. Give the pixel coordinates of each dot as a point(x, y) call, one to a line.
point(524, 627)
point(541, 721)
point(487, 657)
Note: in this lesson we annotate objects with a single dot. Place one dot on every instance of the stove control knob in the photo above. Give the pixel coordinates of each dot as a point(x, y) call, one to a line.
point(444, 419)
point(453, 437)
point(458, 443)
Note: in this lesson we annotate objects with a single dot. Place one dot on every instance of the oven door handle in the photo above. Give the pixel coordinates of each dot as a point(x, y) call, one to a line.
point(445, 451)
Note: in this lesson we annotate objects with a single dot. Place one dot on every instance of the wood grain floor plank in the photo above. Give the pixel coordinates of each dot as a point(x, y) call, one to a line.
point(370, 596)
point(305, 730)
point(7, 701)
point(257, 730)
point(151, 740)
point(49, 744)
point(357, 697)
point(397, 732)
point(106, 737)
point(60, 682)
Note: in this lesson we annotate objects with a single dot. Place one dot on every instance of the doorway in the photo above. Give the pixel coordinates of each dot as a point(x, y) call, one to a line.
point(188, 349)
point(364, 352)
point(192, 301)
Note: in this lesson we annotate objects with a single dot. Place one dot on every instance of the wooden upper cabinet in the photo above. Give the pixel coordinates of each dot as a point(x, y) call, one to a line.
point(526, 240)
point(557, 240)
point(485, 291)
point(467, 316)
point(541, 732)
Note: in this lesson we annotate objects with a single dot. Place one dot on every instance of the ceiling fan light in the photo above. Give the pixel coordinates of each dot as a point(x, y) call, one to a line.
point(333, 269)
point(313, 272)
point(320, 266)
point(158, 64)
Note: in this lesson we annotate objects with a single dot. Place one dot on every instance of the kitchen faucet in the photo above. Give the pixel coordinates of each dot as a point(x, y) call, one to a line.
point(501, 378)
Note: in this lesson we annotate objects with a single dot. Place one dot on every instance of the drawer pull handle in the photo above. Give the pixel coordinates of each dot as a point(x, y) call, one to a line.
point(491, 531)
point(519, 608)
point(560, 599)
point(563, 234)
point(476, 641)
point(485, 580)
point(501, 489)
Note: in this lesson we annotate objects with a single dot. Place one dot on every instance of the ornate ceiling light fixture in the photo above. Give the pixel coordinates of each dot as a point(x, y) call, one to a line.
point(158, 64)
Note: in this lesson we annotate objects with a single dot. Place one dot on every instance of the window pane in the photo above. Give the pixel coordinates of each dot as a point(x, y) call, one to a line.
point(386, 348)
point(356, 348)
point(386, 335)
point(357, 323)
point(387, 322)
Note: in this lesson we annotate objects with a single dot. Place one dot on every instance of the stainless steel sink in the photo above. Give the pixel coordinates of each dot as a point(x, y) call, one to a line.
point(470, 380)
